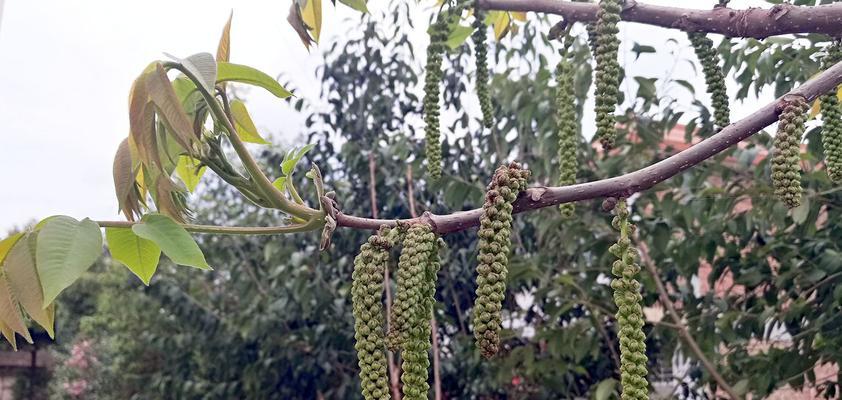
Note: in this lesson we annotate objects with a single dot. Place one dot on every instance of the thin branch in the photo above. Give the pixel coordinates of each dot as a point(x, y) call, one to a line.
point(681, 328)
point(625, 185)
point(780, 19)
point(311, 225)
point(372, 184)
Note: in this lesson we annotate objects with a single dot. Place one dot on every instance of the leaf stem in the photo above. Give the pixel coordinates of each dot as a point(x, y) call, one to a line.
point(311, 225)
point(273, 195)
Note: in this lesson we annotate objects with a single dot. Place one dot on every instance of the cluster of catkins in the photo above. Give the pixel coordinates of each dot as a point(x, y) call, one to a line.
point(607, 71)
point(786, 158)
point(567, 127)
point(438, 36)
point(493, 259)
point(832, 121)
point(629, 312)
point(410, 331)
point(479, 36)
point(714, 78)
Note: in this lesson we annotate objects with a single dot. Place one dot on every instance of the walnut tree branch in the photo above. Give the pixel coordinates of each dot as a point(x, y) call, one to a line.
point(632, 182)
point(780, 19)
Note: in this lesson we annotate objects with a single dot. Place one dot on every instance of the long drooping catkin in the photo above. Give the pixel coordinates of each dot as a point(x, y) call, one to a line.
point(786, 158)
point(492, 261)
point(714, 78)
point(629, 311)
point(366, 292)
point(420, 256)
point(607, 71)
point(832, 121)
point(567, 128)
point(479, 36)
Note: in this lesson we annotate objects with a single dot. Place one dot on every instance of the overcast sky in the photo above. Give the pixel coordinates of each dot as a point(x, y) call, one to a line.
point(67, 67)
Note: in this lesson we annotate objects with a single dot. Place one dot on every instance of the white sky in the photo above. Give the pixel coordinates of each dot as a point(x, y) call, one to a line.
point(67, 67)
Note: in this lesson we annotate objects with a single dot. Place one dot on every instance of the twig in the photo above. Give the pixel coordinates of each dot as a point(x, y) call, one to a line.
point(680, 327)
point(780, 19)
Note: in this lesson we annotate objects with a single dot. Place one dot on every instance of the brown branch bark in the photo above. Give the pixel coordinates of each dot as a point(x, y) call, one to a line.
point(780, 19)
point(624, 185)
point(680, 326)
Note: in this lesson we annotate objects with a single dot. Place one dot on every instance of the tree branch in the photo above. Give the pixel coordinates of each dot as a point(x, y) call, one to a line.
point(624, 185)
point(780, 19)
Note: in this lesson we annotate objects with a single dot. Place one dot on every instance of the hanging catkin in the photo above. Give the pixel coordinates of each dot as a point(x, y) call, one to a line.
point(786, 159)
point(366, 293)
point(479, 37)
point(629, 312)
point(832, 121)
point(420, 256)
point(493, 259)
point(432, 81)
point(607, 71)
point(566, 126)
point(714, 78)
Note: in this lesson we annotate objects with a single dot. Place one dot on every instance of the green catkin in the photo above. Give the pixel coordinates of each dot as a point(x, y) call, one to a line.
point(432, 90)
point(832, 121)
point(714, 78)
point(366, 293)
point(479, 37)
point(627, 296)
point(591, 29)
point(607, 71)
point(421, 251)
point(492, 261)
point(410, 277)
point(786, 159)
point(567, 127)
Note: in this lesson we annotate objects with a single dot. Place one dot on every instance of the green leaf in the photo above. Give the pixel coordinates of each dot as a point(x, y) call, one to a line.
point(240, 73)
point(646, 87)
point(139, 255)
point(125, 173)
point(66, 248)
point(359, 5)
point(605, 389)
point(280, 183)
point(637, 49)
point(187, 171)
point(7, 244)
point(223, 50)
point(22, 277)
point(311, 14)
point(292, 157)
point(169, 108)
point(244, 124)
point(10, 312)
point(800, 213)
point(458, 35)
point(9, 335)
point(173, 240)
point(203, 67)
